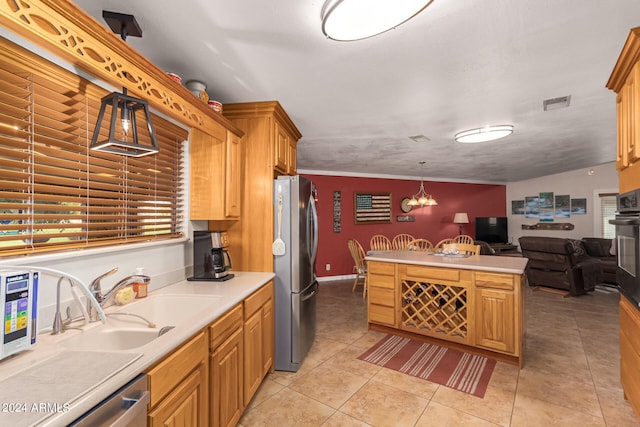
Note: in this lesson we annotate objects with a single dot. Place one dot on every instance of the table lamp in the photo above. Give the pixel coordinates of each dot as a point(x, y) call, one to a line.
point(461, 218)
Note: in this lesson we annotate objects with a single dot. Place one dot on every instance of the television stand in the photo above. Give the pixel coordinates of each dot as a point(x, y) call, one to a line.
point(503, 247)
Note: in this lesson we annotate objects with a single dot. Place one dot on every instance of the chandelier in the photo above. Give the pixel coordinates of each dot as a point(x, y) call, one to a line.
point(422, 198)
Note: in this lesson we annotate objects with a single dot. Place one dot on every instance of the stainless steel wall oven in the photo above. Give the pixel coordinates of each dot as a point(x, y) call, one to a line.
point(627, 224)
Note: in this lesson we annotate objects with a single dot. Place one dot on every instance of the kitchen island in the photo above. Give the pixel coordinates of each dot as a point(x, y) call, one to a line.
point(473, 303)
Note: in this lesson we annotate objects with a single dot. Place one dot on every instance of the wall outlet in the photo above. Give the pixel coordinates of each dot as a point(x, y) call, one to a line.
point(327, 267)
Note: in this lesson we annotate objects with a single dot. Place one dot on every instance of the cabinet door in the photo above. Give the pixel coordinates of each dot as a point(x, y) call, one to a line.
point(281, 154)
point(253, 351)
point(495, 321)
point(226, 380)
point(633, 113)
point(292, 157)
point(184, 406)
point(621, 127)
point(267, 337)
point(233, 176)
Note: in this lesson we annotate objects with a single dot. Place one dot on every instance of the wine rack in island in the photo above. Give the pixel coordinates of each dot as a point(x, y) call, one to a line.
point(435, 301)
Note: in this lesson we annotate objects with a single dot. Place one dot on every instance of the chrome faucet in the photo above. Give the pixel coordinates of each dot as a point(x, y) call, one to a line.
point(96, 289)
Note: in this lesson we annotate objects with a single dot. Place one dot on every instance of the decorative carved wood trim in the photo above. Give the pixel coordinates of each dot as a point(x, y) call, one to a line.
point(68, 32)
point(549, 226)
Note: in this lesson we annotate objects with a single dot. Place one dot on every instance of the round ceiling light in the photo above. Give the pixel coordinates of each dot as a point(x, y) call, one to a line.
point(489, 133)
point(349, 20)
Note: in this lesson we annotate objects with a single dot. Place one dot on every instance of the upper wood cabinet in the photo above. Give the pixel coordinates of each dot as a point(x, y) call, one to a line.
point(269, 147)
point(216, 171)
point(625, 82)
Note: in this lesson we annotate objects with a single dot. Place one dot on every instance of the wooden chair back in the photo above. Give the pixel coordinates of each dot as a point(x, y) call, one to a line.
point(400, 241)
point(443, 242)
point(463, 238)
point(419, 245)
point(463, 248)
point(360, 267)
point(380, 243)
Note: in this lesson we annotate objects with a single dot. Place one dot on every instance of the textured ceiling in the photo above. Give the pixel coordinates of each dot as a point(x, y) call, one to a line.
point(457, 65)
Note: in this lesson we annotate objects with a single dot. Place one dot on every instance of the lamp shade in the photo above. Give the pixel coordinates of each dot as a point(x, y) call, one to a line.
point(461, 218)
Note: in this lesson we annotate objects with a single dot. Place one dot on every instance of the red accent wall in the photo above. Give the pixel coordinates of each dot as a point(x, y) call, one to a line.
point(434, 223)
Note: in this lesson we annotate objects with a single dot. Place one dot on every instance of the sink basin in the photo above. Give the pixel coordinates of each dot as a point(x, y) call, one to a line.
point(130, 331)
point(110, 339)
point(167, 309)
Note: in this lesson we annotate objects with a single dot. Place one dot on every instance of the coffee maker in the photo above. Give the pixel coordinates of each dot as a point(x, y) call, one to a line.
point(211, 261)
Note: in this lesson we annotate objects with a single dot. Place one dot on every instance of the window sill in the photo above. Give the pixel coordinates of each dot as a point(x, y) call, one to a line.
point(34, 259)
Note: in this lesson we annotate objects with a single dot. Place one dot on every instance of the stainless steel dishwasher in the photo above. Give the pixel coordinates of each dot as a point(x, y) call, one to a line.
point(126, 407)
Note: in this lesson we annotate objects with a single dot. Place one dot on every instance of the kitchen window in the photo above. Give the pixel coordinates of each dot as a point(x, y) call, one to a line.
point(56, 194)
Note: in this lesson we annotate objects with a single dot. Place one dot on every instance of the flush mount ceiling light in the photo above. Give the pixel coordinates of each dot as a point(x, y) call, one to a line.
point(489, 133)
point(349, 20)
point(422, 198)
point(122, 128)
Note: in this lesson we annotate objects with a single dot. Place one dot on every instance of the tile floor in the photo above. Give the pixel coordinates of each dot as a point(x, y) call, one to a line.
point(569, 378)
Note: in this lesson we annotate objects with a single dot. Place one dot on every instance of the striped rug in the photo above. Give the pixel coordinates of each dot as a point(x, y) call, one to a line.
point(451, 368)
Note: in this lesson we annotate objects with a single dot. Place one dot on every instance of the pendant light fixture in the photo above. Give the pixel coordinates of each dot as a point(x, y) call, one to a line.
point(349, 20)
point(422, 198)
point(127, 115)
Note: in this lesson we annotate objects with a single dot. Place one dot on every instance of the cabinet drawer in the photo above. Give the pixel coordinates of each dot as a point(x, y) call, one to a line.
point(382, 314)
point(434, 273)
point(381, 296)
point(167, 374)
point(381, 281)
point(257, 300)
point(494, 280)
point(383, 268)
point(226, 326)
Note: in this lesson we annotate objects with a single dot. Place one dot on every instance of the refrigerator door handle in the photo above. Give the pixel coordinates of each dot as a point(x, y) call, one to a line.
point(314, 222)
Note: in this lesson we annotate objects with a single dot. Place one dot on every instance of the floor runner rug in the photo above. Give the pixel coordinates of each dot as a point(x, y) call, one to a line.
point(451, 368)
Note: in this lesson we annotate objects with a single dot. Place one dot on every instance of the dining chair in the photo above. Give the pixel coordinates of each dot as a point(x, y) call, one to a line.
point(442, 242)
point(419, 245)
point(463, 248)
point(463, 238)
point(360, 267)
point(380, 242)
point(400, 241)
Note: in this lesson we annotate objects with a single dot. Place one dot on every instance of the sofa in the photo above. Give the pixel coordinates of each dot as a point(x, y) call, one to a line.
point(560, 263)
point(602, 250)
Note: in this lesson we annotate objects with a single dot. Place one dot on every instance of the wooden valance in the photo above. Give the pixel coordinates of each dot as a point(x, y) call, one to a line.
point(69, 32)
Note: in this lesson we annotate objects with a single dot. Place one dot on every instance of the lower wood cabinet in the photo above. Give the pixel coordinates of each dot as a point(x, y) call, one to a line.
point(226, 369)
point(258, 339)
point(381, 290)
point(179, 386)
point(630, 353)
point(496, 325)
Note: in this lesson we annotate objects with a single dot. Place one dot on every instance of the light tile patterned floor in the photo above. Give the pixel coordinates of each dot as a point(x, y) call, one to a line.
point(570, 375)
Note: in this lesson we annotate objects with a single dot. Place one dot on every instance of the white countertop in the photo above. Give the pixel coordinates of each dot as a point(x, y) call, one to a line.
point(79, 380)
point(498, 264)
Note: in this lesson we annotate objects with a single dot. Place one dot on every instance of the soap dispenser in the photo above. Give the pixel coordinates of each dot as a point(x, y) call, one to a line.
point(140, 288)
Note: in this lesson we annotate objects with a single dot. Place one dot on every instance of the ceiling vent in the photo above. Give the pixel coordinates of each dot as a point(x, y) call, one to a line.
point(556, 103)
point(419, 138)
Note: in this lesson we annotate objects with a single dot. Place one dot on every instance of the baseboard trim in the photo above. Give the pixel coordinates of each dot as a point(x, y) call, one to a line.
point(332, 278)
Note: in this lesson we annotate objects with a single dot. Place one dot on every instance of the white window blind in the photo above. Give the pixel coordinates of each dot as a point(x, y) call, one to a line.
point(55, 193)
point(607, 212)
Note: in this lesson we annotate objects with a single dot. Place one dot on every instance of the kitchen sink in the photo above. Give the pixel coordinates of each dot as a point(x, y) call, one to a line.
point(166, 309)
point(138, 323)
point(105, 338)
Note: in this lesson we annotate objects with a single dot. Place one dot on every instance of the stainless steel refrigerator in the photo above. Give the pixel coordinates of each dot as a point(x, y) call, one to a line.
point(296, 287)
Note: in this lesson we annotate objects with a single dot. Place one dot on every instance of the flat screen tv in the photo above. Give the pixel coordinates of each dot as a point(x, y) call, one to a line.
point(492, 229)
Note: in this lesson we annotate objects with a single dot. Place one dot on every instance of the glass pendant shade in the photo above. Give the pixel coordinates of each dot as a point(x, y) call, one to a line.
point(127, 129)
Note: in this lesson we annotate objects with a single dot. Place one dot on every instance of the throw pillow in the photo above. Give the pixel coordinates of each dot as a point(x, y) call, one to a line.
point(578, 248)
point(594, 248)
